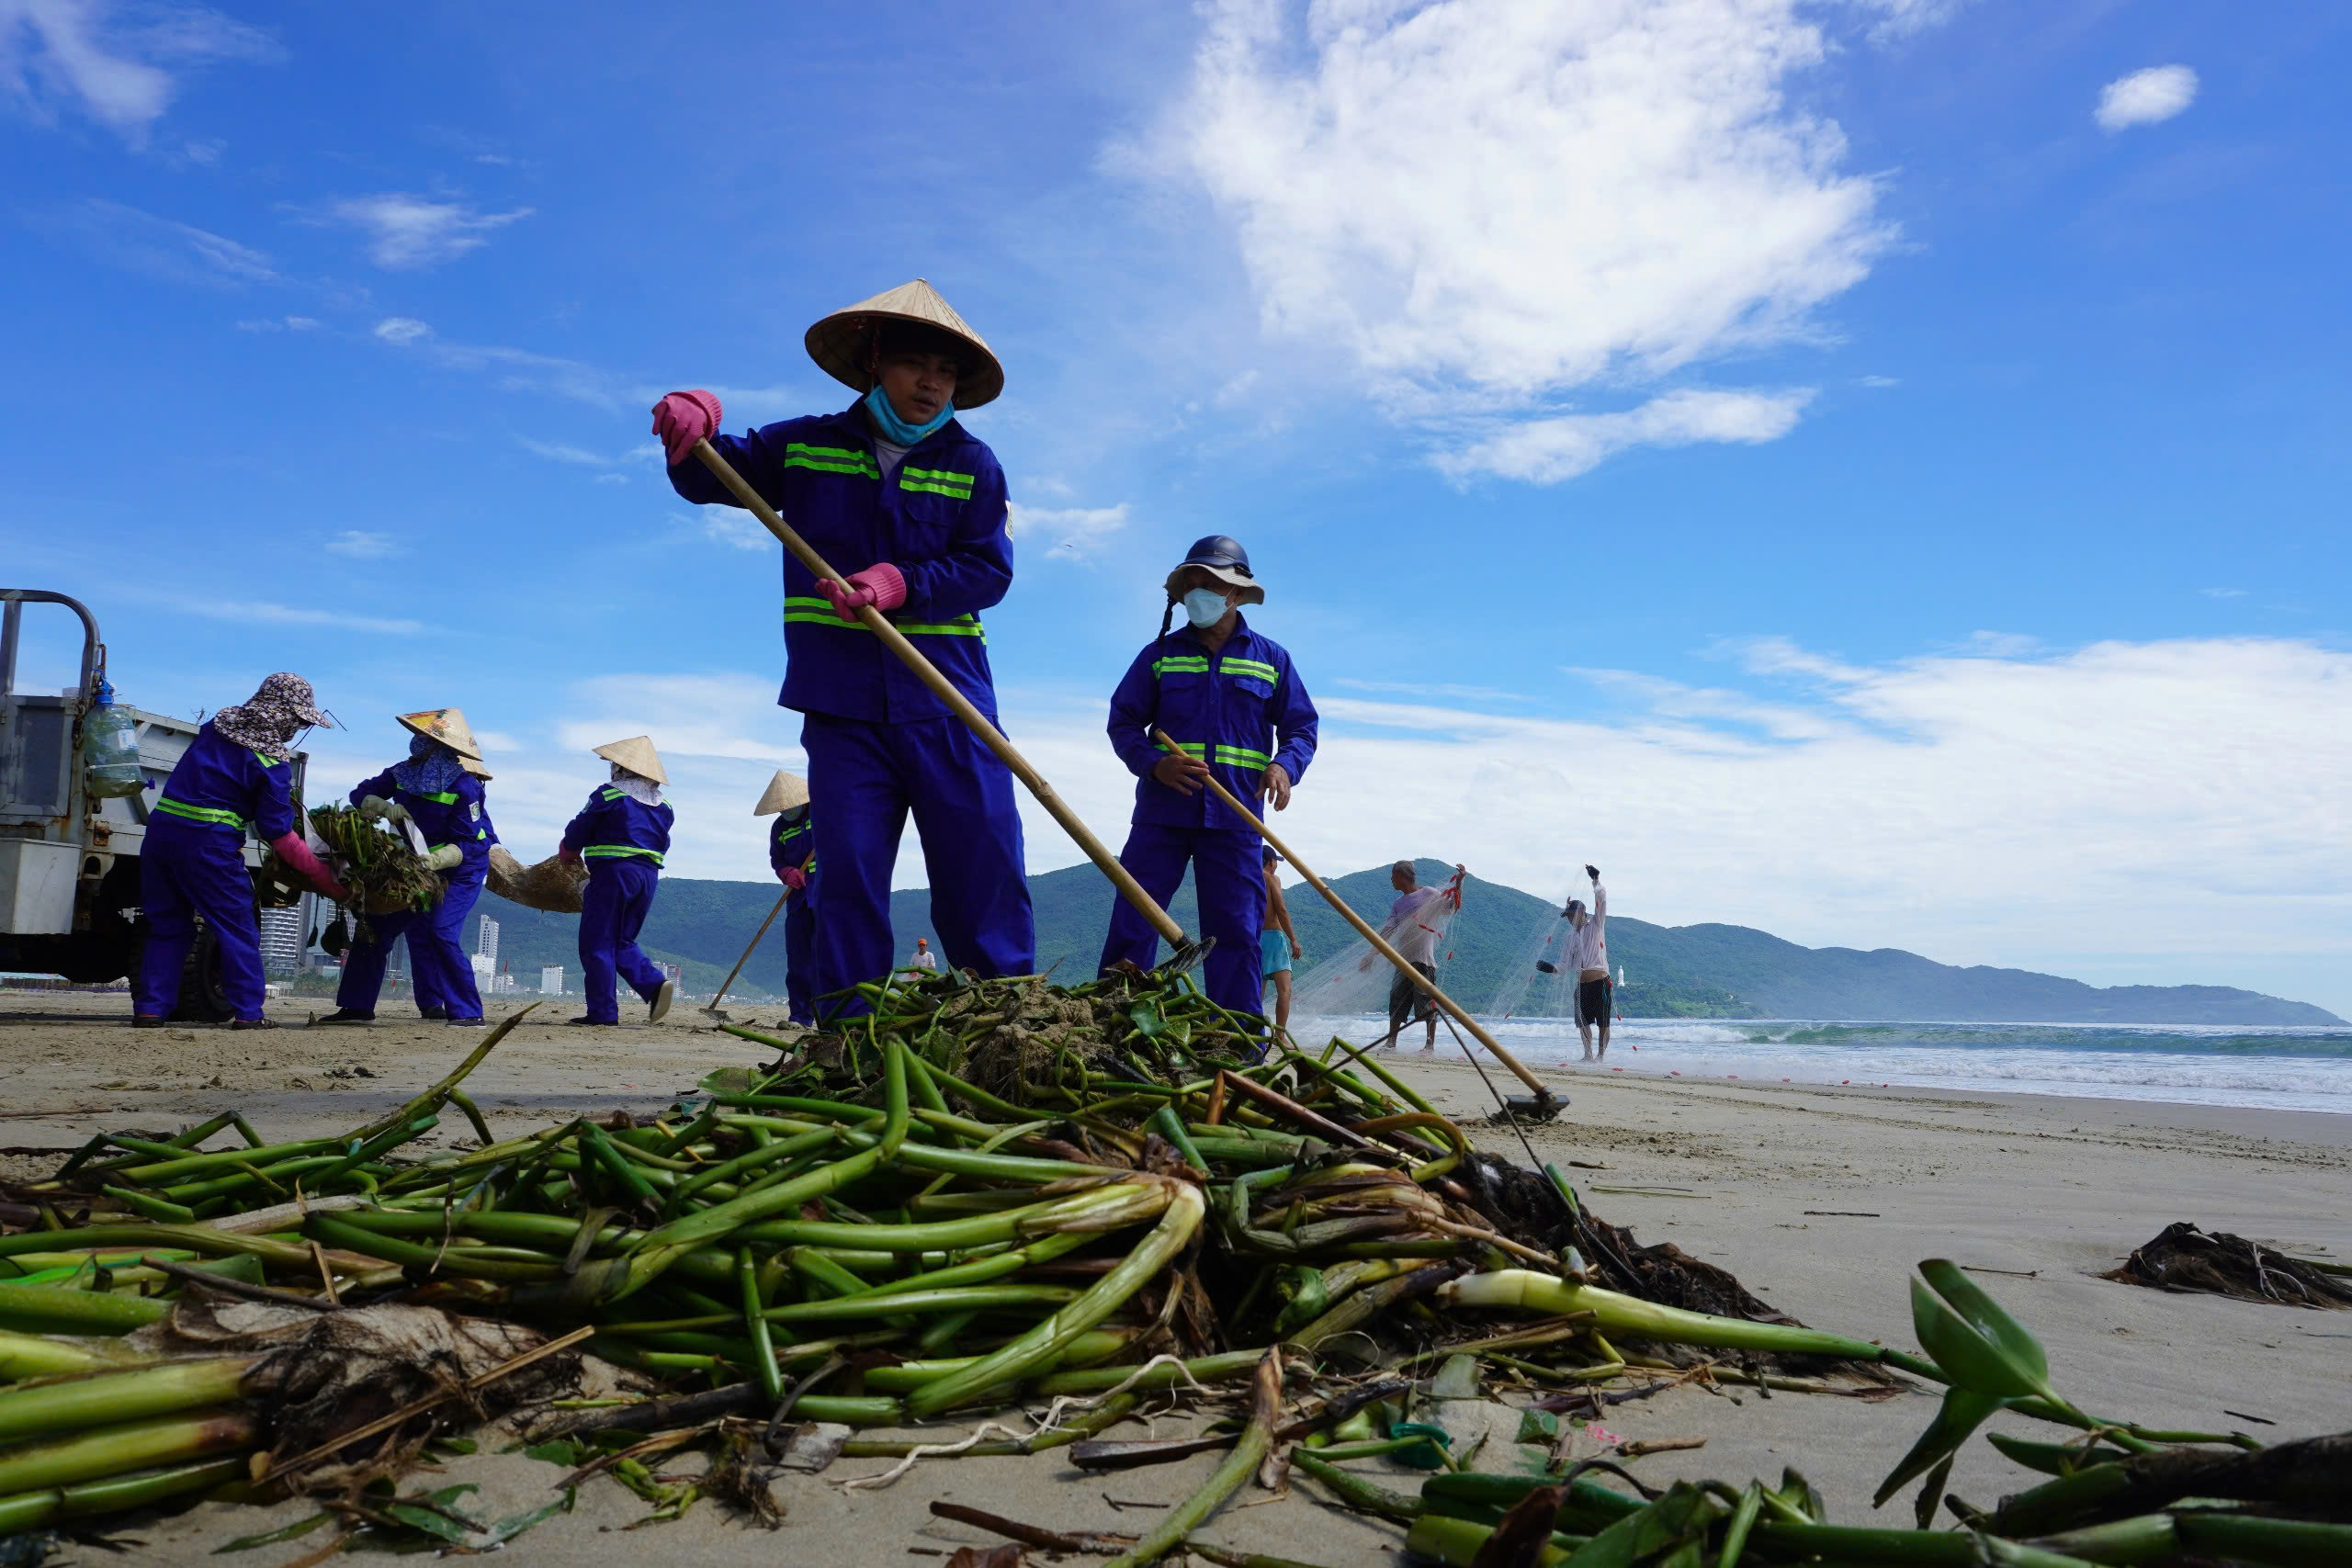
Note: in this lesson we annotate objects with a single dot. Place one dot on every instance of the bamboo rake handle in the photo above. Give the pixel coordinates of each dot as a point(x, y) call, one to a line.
point(1380, 944)
point(944, 689)
point(780, 899)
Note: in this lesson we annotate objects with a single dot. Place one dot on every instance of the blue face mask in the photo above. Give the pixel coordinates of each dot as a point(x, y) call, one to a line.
point(1205, 606)
point(897, 431)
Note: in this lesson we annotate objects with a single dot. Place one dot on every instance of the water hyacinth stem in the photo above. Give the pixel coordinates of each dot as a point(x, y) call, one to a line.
point(1522, 1290)
point(134, 1445)
point(1041, 1344)
point(112, 1397)
point(140, 1489)
point(1238, 1467)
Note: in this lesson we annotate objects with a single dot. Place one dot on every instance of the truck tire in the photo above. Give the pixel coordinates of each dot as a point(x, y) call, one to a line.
point(202, 1000)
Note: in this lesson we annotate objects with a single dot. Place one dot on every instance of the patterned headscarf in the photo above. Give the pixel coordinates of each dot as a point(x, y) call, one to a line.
point(431, 767)
point(637, 785)
point(274, 714)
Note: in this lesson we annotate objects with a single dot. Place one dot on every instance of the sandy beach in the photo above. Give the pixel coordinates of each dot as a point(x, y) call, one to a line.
point(1819, 1199)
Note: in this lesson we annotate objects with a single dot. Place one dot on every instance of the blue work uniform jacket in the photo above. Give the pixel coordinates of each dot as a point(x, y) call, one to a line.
point(459, 814)
point(939, 517)
point(219, 784)
point(1238, 710)
point(616, 825)
point(793, 843)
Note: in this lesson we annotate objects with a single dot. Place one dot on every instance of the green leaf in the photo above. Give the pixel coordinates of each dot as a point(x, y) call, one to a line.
point(1986, 1316)
point(1146, 1016)
point(1537, 1427)
point(294, 1531)
point(1971, 1359)
point(507, 1528)
point(1962, 1411)
point(569, 1452)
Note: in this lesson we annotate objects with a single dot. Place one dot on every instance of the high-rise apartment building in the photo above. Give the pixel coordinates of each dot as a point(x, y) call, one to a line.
point(551, 980)
point(283, 936)
point(486, 943)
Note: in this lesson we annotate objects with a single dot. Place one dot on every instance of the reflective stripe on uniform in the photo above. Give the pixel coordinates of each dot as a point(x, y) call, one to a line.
point(220, 816)
point(1263, 671)
point(1196, 749)
point(621, 851)
point(613, 792)
point(936, 481)
point(446, 797)
point(1242, 757)
point(801, 611)
point(831, 459)
point(1180, 664)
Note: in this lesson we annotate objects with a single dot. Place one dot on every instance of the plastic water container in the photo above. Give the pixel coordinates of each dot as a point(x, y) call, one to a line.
point(110, 750)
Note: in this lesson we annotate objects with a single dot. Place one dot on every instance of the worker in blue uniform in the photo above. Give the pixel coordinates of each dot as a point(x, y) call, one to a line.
point(621, 835)
point(792, 855)
point(1230, 699)
point(894, 493)
point(237, 773)
point(438, 790)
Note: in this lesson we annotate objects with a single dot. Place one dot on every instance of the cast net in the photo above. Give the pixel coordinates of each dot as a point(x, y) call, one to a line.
point(1346, 994)
point(1541, 980)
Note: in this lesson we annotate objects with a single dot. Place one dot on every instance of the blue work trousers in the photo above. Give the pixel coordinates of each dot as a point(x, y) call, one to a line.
point(612, 911)
point(868, 776)
point(438, 965)
point(184, 873)
point(1232, 888)
point(800, 955)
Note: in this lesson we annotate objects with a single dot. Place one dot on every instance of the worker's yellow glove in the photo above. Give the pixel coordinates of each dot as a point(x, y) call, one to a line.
point(376, 808)
point(445, 858)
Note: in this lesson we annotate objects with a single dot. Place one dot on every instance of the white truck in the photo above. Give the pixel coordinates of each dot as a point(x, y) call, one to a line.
point(69, 859)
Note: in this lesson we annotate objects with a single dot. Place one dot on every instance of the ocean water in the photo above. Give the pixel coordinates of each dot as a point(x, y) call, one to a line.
point(2285, 1069)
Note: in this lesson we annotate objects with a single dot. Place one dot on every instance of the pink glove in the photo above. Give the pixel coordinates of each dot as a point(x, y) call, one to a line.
point(295, 853)
point(681, 419)
point(792, 876)
point(881, 585)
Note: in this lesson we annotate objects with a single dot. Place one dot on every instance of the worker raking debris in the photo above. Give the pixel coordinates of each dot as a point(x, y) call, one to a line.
point(621, 835)
point(912, 508)
point(792, 855)
point(1229, 697)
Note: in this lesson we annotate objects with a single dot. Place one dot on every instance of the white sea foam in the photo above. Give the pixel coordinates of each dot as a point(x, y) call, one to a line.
point(2303, 1068)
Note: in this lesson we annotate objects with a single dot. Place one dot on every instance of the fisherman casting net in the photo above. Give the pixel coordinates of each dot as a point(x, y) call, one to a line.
point(1541, 980)
point(1349, 992)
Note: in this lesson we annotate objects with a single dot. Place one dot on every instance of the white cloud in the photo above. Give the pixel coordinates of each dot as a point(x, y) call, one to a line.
point(2145, 97)
point(727, 526)
point(2050, 813)
point(1429, 689)
point(1877, 381)
point(402, 330)
point(281, 324)
point(159, 247)
point(1546, 451)
point(2222, 592)
point(415, 231)
point(360, 543)
point(1490, 202)
point(113, 64)
point(1078, 532)
point(264, 612)
point(559, 452)
point(516, 369)
point(612, 479)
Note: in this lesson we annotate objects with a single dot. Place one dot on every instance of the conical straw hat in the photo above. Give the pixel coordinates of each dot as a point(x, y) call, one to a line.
point(784, 791)
point(636, 754)
point(473, 765)
point(449, 727)
point(838, 343)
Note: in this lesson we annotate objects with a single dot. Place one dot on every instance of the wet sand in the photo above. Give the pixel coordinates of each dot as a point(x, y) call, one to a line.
point(2041, 1193)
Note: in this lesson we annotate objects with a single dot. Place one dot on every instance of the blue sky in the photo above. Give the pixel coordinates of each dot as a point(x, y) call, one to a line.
point(1870, 470)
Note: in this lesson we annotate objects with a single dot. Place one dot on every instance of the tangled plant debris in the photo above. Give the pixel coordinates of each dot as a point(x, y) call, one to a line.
point(984, 1194)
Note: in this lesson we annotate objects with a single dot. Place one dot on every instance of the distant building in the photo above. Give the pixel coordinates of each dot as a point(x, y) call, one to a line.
point(283, 936)
point(486, 944)
point(481, 967)
point(675, 971)
point(551, 980)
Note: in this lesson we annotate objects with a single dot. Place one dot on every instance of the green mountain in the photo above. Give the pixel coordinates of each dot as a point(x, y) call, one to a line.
point(1703, 971)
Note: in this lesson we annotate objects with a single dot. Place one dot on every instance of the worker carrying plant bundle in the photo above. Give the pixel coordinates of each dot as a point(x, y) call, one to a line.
point(438, 790)
point(894, 491)
point(792, 855)
point(1229, 697)
point(235, 774)
point(621, 835)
